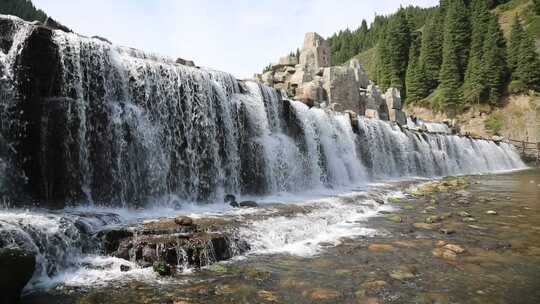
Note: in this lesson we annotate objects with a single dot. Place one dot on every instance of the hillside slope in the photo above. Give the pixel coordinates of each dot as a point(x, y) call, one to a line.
point(506, 13)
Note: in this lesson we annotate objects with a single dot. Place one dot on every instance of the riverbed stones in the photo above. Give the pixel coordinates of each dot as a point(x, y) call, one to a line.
point(324, 294)
point(248, 204)
point(379, 248)
point(394, 218)
point(425, 226)
point(403, 273)
point(183, 221)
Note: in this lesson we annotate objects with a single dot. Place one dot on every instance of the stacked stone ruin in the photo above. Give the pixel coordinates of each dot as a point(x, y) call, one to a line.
point(311, 79)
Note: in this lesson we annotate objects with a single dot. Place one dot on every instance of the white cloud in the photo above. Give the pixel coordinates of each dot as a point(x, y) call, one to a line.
point(240, 36)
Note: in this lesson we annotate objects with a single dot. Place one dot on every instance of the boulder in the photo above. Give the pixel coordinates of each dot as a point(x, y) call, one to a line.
point(102, 39)
point(360, 74)
point(312, 92)
point(248, 204)
point(185, 62)
point(393, 99)
point(315, 53)
point(229, 198)
point(341, 87)
point(16, 269)
point(183, 221)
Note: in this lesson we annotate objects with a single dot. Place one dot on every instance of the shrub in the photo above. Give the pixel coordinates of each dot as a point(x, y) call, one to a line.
point(495, 123)
point(517, 87)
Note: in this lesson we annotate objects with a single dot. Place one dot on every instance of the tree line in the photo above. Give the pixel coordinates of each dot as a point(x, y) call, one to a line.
point(23, 9)
point(449, 56)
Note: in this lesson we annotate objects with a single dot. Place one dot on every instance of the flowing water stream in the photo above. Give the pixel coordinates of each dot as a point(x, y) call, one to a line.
point(125, 136)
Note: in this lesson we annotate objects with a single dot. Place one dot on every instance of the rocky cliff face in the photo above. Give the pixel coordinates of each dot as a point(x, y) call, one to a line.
point(311, 79)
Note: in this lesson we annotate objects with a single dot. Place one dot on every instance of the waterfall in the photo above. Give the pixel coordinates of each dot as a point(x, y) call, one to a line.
point(124, 127)
point(90, 123)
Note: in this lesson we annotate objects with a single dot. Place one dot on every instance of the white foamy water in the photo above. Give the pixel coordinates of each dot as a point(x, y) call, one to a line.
point(328, 221)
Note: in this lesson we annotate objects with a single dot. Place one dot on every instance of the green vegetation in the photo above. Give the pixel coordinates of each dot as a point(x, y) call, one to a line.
point(453, 56)
point(495, 123)
point(23, 9)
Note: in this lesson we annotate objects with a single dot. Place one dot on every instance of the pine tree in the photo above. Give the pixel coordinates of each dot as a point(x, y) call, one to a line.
point(537, 6)
point(528, 68)
point(455, 51)
point(384, 65)
point(431, 50)
point(494, 62)
point(416, 79)
point(396, 43)
point(474, 85)
point(516, 36)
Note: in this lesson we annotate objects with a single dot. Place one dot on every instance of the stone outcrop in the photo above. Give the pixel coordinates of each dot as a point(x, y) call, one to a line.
point(395, 107)
point(311, 79)
point(174, 244)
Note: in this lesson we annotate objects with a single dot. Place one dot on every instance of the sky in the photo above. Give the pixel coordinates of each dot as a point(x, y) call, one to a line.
point(236, 36)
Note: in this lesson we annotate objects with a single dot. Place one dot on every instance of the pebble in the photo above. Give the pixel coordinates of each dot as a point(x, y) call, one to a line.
point(425, 226)
point(403, 273)
point(464, 214)
point(455, 248)
point(381, 248)
point(323, 294)
point(491, 212)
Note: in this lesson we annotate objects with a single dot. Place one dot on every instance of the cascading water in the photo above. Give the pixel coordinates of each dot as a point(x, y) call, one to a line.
point(87, 122)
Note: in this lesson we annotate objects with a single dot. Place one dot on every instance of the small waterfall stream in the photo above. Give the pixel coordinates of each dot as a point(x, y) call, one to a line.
point(122, 128)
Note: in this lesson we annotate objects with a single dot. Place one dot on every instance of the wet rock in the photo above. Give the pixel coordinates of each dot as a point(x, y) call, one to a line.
point(394, 218)
point(455, 248)
point(441, 243)
point(248, 204)
point(125, 268)
point(378, 248)
point(234, 204)
point(229, 198)
point(434, 219)
point(268, 296)
point(447, 231)
point(149, 255)
point(17, 267)
point(324, 294)
point(491, 212)
point(444, 254)
point(371, 287)
point(53, 24)
point(425, 226)
point(111, 238)
point(464, 214)
point(403, 273)
point(183, 221)
point(468, 219)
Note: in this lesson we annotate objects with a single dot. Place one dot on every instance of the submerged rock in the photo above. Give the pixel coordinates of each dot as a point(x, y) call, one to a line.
point(16, 269)
point(249, 204)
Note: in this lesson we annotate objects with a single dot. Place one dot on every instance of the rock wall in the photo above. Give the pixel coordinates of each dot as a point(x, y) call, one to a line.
point(311, 79)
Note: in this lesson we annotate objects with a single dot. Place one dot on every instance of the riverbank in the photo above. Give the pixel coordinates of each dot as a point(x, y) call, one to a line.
point(466, 240)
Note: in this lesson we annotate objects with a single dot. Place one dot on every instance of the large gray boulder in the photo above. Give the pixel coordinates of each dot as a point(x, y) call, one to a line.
point(341, 87)
point(315, 53)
